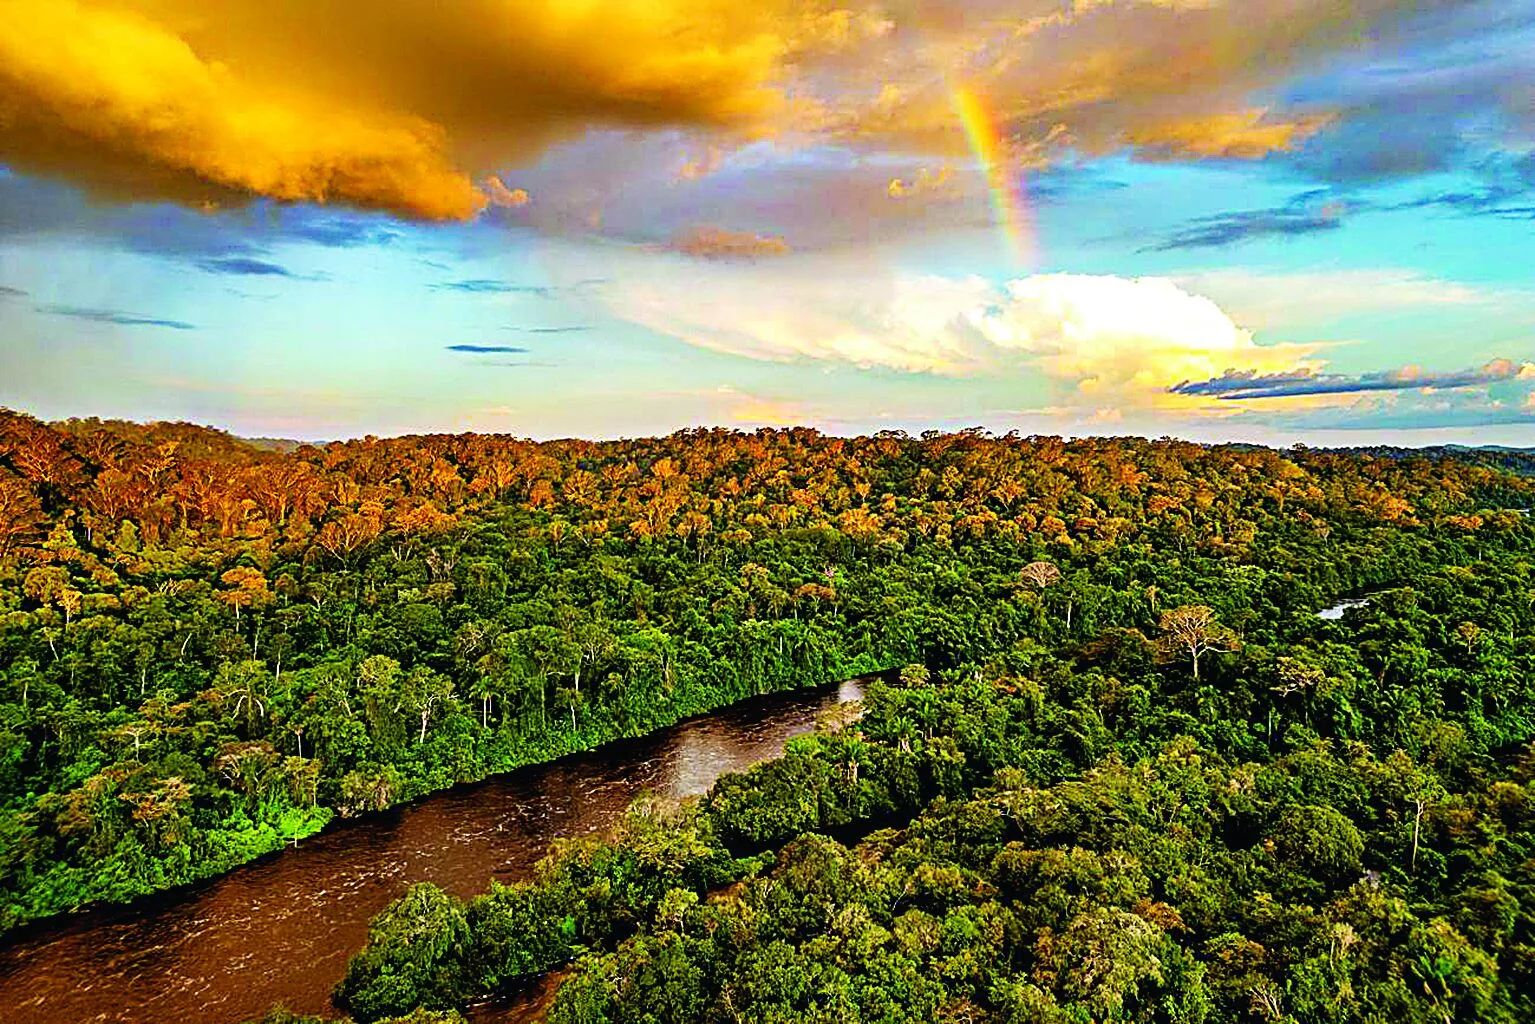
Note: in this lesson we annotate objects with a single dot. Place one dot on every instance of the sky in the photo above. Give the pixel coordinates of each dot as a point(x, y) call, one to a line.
point(1277, 221)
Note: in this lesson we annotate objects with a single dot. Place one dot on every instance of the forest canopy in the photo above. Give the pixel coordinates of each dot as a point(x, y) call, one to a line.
point(210, 648)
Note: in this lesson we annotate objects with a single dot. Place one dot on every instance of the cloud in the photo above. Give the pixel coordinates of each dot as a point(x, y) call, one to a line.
point(415, 109)
point(574, 329)
point(7, 292)
point(498, 194)
point(148, 102)
point(621, 187)
point(108, 316)
point(1308, 214)
point(393, 105)
point(750, 410)
point(1260, 300)
point(487, 349)
point(245, 265)
point(1238, 385)
point(718, 244)
point(1438, 88)
point(35, 208)
point(487, 286)
point(925, 182)
point(1168, 77)
point(1093, 341)
point(1237, 135)
point(1502, 186)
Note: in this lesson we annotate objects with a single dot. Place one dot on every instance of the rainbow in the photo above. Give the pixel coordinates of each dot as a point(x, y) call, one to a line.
point(1007, 198)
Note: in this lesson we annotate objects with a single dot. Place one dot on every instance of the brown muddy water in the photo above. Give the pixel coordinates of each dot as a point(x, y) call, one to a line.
point(282, 929)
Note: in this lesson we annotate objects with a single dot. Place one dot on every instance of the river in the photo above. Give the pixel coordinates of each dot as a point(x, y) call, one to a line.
point(282, 929)
point(1335, 612)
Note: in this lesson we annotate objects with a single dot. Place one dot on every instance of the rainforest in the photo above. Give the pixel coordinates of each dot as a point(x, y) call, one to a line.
point(1113, 765)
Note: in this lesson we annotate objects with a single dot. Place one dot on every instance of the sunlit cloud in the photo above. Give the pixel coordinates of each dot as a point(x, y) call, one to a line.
point(419, 109)
point(498, 194)
point(394, 105)
point(1236, 135)
point(747, 409)
point(717, 244)
point(1098, 341)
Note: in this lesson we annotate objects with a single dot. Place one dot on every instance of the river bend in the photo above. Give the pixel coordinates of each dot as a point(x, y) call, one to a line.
point(283, 929)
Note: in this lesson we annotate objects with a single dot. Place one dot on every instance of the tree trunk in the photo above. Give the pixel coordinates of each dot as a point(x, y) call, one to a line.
point(1417, 825)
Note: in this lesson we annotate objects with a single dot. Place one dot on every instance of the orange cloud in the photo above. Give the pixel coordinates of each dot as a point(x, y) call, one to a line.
point(716, 243)
point(925, 182)
point(394, 105)
point(1174, 77)
point(116, 101)
point(1243, 135)
point(498, 194)
point(403, 106)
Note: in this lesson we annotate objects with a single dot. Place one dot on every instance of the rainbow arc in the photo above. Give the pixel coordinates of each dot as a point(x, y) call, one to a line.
point(1007, 197)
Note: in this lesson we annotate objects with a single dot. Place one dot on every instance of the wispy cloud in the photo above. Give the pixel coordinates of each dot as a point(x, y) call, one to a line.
point(246, 265)
point(573, 329)
point(489, 286)
point(1286, 300)
point(1307, 214)
point(1238, 385)
point(111, 316)
point(487, 349)
point(7, 292)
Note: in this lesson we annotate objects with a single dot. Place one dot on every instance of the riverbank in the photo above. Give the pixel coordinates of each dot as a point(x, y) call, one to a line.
point(282, 929)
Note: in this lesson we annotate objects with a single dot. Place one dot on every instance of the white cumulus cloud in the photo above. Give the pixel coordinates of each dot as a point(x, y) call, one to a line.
point(1107, 340)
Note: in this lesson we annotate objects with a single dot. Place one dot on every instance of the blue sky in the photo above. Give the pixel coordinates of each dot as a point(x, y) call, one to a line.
point(1285, 221)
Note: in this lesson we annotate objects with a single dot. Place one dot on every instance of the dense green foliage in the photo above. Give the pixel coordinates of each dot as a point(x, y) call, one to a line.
point(210, 649)
point(1334, 821)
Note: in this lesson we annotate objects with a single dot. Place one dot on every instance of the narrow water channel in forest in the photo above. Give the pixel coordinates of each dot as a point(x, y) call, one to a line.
point(283, 929)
